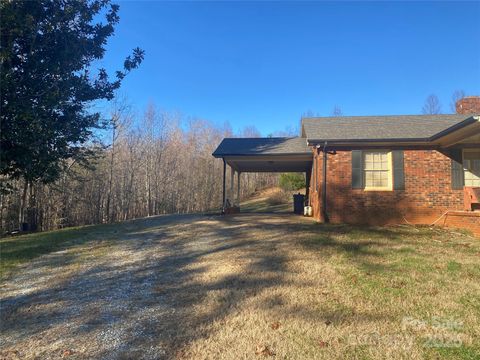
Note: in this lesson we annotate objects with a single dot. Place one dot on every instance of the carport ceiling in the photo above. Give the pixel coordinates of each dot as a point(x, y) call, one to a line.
point(277, 163)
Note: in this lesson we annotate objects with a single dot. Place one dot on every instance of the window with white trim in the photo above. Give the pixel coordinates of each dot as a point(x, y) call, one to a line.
point(377, 170)
point(471, 166)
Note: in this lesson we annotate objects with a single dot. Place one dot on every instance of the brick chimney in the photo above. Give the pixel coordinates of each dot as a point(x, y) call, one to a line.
point(468, 105)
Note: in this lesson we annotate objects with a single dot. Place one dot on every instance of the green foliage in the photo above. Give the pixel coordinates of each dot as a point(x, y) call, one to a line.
point(48, 48)
point(292, 181)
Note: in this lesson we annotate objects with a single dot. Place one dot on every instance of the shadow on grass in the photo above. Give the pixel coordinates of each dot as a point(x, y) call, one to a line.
point(122, 303)
point(370, 249)
point(155, 298)
point(264, 207)
point(16, 250)
point(20, 249)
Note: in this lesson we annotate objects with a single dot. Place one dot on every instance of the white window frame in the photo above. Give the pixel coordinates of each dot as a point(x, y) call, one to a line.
point(389, 186)
point(465, 170)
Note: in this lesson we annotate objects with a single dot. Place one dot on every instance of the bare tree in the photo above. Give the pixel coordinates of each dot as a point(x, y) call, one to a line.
point(289, 131)
point(457, 95)
point(154, 163)
point(118, 121)
point(250, 131)
point(432, 105)
point(337, 111)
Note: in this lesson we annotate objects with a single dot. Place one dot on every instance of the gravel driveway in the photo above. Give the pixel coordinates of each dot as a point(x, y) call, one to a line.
point(147, 291)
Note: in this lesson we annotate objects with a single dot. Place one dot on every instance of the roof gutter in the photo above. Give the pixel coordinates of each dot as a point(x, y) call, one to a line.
point(313, 142)
point(220, 155)
point(468, 121)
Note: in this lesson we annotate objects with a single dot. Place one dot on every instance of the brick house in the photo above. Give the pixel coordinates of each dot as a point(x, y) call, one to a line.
point(419, 169)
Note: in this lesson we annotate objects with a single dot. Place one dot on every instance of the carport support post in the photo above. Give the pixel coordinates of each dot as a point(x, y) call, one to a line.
point(232, 180)
point(224, 184)
point(308, 175)
point(238, 188)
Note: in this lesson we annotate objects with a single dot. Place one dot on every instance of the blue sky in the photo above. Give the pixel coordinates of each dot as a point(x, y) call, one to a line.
point(266, 63)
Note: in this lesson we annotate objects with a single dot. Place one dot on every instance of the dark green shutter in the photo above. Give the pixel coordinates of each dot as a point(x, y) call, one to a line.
point(458, 179)
point(357, 173)
point(398, 170)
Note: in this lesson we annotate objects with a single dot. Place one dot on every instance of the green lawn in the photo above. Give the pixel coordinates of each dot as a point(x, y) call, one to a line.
point(16, 250)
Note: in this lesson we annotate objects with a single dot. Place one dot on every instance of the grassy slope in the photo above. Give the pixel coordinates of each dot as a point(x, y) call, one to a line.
point(269, 200)
point(17, 250)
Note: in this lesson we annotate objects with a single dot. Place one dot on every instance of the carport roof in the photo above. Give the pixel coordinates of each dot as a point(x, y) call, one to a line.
point(262, 146)
point(286, 154)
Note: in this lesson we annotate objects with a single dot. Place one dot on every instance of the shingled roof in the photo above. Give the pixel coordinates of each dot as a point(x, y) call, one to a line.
point(349, 129)
point(262, 146)
point(378, 128)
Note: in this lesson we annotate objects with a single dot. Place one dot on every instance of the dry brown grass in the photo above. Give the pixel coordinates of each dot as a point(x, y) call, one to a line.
point(251, 286)
point(278, 197)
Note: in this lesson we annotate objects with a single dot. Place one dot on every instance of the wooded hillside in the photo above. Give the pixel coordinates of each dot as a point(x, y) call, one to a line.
point(154, 163)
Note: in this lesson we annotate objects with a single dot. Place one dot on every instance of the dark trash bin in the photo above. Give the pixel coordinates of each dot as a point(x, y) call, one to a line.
point(298, 203)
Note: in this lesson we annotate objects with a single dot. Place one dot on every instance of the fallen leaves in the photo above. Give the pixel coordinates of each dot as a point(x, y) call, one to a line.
point(322, 343)
point(264, 350)
point(67, 352)
point(275, 325)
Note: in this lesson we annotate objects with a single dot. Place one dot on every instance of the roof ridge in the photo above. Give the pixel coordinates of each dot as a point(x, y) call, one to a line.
point(267, 137)
point(398, 115)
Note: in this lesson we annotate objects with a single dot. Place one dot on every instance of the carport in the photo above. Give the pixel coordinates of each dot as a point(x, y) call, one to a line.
point(244, 155)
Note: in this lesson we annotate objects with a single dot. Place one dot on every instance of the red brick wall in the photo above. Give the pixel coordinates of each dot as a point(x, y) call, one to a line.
point(463, 219)
point(468, 105)
point(426, 197)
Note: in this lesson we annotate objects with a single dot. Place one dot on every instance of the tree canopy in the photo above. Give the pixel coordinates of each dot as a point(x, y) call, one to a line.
point(48, 51)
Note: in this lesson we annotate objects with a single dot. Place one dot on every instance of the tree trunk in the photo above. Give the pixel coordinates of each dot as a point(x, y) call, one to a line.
point(23, 203)
point(112, 159)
